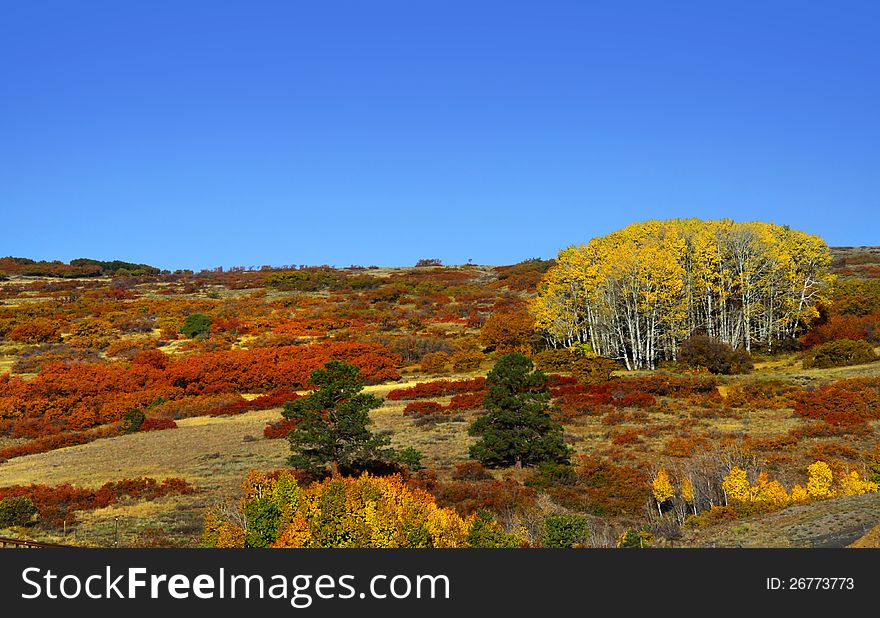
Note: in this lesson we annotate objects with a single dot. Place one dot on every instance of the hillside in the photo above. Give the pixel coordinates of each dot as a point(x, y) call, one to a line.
point(79, 353)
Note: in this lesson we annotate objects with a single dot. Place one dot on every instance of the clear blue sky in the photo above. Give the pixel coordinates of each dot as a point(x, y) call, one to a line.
point(197, 134)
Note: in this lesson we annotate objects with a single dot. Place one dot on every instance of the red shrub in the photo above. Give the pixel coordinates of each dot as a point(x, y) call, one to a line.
point(438, 388)
point(468, 497)
point(157, 424)
point(605, 488)
point(279, 429)
point(470, 471)
point(422, 408)
point(837, 406)
point(554, 380)
point(467, 401)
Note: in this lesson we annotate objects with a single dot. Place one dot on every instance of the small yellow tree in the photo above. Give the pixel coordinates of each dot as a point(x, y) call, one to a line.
point(662, 488)
point(687, 493)
point(736, 485)
point(819, 481)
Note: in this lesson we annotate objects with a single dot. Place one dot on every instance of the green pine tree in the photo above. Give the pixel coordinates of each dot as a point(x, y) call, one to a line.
point(517, 428)
point(332, 425)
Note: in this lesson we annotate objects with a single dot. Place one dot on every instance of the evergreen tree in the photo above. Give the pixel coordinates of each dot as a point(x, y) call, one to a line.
point(196, 324)
point(517, 428)
point(332, 424)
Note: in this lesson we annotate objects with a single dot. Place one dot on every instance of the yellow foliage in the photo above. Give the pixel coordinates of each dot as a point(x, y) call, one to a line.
point(799, 495)
point(222, 534)
point(661, 487)
point(687, 490)
point(368, 511)
point(636, 293)
point(819, 480)
point(852, 484)
point(770, 493)
point(736, 485)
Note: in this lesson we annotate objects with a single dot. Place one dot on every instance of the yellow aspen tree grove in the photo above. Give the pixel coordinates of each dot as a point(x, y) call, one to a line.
point(637, 293)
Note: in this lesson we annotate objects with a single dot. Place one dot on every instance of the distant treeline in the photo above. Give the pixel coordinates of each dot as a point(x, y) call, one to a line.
point(80, 267)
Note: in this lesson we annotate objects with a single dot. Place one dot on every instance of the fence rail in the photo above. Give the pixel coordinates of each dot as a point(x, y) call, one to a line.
point(8, 542)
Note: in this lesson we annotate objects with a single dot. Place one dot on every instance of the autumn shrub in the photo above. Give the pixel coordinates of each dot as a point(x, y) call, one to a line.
point(279, 429)
point(470, 471)
point(155, 359)
point(70, 397)
point(554, 359)
point(832, 450)
point(44, 444)
point(36, 330)
point(625, 436)
point(713, 354)
point(466, 360)
point(414, 349)
point(509, 332)
point(200, 405)
point(130, 348)
point(422, 408)
point(827, 430)
point(592, 369)
point(467, 401)
point(839, 353)
point(615, 417)
point(33, 359)
point(554, 380)
point(57, 504)
point(437, 388)
point(91, 333)
point(605, 488)
point(838, 406)
point(157, 424)
point(666, 385)
point(767, 394)
point(712, 517)
point(684, 446)
point(838, 327)
point(773, 443)
point(468, 497)
point(434, 363)
point(621, 393)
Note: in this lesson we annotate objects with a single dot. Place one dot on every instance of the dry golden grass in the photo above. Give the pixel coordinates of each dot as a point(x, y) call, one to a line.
point(212, 453)
point(869, 540)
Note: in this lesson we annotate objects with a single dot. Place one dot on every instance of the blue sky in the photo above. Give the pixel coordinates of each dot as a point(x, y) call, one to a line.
point(197, 134)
